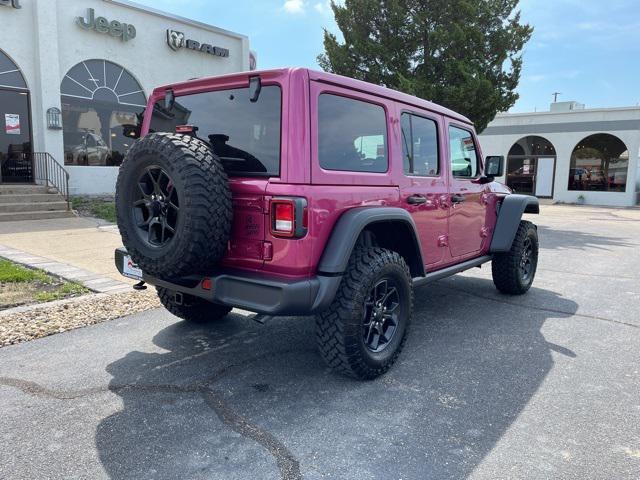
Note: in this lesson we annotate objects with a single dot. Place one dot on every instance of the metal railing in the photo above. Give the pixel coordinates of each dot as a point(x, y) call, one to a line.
point(46, 169)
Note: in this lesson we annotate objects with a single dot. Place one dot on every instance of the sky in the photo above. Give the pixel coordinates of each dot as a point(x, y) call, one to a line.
point(588, 50)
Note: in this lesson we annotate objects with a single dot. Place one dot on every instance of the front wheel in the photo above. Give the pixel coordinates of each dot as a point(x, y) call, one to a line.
point(191, 309)
point(513, 271)
point(363, 331)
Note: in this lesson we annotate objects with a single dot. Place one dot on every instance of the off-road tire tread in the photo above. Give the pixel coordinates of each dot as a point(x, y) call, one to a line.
point(207, 206)
point(198, 310)
point(504, 266)
point(337, 330)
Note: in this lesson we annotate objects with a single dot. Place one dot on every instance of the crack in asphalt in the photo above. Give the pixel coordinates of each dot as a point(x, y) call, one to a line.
point(288, 465)
point(36, 390)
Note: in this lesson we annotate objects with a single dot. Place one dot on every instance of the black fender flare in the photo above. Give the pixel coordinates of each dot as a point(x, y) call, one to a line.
point(509, 216)
point(348, 228)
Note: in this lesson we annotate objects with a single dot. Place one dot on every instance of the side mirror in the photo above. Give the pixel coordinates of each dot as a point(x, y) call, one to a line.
point(494, 166)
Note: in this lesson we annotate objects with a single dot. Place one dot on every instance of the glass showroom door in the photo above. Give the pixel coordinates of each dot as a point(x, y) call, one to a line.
point(15, 137)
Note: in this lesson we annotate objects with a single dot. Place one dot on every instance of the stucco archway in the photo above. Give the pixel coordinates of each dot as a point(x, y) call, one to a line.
point(599, 162)
point(531, 166)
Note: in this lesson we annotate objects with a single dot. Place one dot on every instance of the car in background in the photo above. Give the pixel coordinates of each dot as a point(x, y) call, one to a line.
point(92, 150)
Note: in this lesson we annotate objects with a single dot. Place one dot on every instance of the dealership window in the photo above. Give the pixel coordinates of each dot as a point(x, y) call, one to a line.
point(102, 107)
point(526, 165)
point(10, 75)
point(352, 135)
point(599, 163)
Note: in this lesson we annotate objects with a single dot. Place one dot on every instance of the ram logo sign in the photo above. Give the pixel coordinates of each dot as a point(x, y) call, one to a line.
point(10, 3)
point(175, 39)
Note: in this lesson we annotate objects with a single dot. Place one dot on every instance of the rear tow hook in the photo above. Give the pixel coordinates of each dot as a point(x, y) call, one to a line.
point(140, 286)
point(261, 318)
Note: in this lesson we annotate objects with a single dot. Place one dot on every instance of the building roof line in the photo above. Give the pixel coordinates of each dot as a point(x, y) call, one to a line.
point(577, 111)
point(178, 18)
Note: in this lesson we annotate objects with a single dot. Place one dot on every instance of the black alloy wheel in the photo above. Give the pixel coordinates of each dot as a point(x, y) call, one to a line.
point(363, 331)
point(527, 260)
point(381, 315)
point(155, 207)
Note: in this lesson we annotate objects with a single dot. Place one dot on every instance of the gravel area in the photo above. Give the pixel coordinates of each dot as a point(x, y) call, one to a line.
point(22, 325)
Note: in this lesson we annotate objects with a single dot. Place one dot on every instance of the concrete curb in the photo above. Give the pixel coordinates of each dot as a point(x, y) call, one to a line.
point(94, 282)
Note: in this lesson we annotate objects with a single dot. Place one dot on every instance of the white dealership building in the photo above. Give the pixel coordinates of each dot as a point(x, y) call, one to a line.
point(570, 154)
point(75, 76)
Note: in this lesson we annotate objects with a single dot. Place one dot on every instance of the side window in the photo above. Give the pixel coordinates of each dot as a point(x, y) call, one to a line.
point(464, 159)
point(419, 145)
point(352, 135)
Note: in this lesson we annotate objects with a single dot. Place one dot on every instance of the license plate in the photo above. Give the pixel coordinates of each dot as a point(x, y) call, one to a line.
point(130, 269)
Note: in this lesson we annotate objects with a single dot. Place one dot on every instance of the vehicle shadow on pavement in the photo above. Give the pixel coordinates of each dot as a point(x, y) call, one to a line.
point(240, 400)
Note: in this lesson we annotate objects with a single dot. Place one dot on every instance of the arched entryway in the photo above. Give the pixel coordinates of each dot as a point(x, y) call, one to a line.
point(102, 104)
point(599, 162)
point(531, 166)
point(15, 124)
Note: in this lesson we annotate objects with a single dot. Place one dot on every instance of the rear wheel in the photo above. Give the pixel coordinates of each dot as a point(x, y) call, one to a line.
point(192, 309)
point(513, 271)
point(363, 331)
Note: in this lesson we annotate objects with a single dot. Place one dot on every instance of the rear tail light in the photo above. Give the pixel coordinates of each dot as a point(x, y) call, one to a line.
point(288, 217)
point(283, 218)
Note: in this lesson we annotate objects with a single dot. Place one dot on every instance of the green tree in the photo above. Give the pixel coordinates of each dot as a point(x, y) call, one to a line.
point(463, 54)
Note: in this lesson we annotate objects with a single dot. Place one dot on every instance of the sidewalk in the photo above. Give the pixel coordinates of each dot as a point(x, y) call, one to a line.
point(78, 242)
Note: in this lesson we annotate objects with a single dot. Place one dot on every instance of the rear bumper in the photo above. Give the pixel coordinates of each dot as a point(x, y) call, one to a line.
point(253, 292)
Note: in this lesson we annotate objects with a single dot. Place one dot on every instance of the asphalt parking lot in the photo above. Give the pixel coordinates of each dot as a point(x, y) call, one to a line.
point(488, 387)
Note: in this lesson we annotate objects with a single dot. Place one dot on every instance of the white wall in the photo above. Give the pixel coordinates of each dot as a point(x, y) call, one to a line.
point(564, 143)
point(92, 180)
point(45, 42)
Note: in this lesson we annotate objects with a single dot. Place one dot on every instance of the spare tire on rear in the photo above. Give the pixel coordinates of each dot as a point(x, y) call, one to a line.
point(173, 205)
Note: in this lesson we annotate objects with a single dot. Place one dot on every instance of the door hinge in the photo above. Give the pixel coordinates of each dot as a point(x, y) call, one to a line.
point(484, 232)
point(443, 241)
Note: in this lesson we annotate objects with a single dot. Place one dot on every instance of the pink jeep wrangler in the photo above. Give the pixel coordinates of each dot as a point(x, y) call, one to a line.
point(295, 192)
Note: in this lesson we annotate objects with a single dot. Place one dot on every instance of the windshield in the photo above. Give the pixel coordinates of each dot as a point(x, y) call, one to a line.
point(244, 134)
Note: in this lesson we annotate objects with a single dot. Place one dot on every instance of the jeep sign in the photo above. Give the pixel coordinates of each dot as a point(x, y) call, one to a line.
point(114, 28)
point(177, 40)
point(10, 3)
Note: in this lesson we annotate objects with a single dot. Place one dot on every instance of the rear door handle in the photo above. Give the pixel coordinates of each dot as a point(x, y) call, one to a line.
point(416, 200)
point(457, 198)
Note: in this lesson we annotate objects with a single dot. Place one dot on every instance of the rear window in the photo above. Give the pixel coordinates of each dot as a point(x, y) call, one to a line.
point(352, 135)
point(245, 135)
